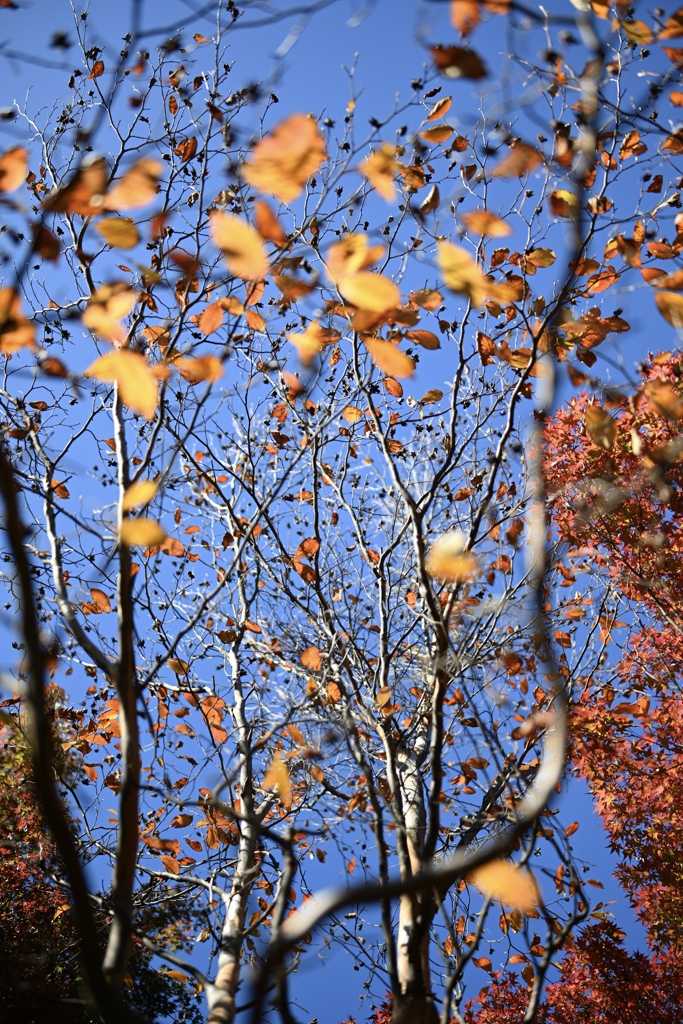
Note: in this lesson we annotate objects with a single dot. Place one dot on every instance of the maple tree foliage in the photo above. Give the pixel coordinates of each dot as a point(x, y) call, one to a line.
point(287, 519)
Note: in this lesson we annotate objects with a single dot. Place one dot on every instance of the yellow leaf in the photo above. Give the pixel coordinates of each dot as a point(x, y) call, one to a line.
point(105, 309)
point(138, 387)
point(484, 223)
point(637, 32)
point(137, 187)
point(13, 168)
point(119, 232)
point(503, 881)
point(286, 158)
point(601, 427)
point(351, 254)
point(352, 414)
point(461, 274)
point(380, 168)
point(277, 779)
point(242, 246)
point(139, 493)
point(141, 532)
point(389, 359)
point(370, 292)
point(449, 558)
point(308, 343)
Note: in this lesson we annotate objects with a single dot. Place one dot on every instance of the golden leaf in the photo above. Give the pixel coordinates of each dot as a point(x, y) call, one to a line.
point(277, 779)
point(350, 255)
point(670, 305)
point(15, 330)
point(196, 370)
point(503, 881)
point(380, 168)
point(137, 187)
point(461, 273)
point(372, 293)
point(105, 309)
point(665, 399)
point(439, 133)
point(389, 359)
point(352, 414)
point(139, 493)
point(286, 158)
point(242, 246)
point(138, 387)
point(308, 343)
point(141, 532)
point(563, 203)
point(449, 558)
point(119, 232)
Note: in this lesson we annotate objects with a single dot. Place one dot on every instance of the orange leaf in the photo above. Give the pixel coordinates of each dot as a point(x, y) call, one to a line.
point(286, 158)
point(242, 246)
point(277, 779)
point(389, 359)
point(137, 187)
point(503, 881)
point(440, 108)
point(439, 133)
point(670, 305)
point(100, 599)
point(13, 168)
point(310, 658)
point(521, 159)
point(450, 560)
point(267, 224)
point(120, 232)
point(484, 223)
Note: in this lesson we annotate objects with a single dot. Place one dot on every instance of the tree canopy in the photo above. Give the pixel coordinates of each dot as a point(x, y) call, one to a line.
point(341, 519)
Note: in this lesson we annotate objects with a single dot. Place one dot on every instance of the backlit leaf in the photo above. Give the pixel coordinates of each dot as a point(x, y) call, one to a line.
point(670, 305)
point(310, 659)
point(389, 359)
point(481, 222)
point(601, 427)
point(521, 159)
point(242, 246)
point(439, 133)
point(440, 108)
point(458, 62)
point(449, 558)
point(563, 203)
point(461, 273)
point(137, 187)
point(138, 494)
point(286, 158)
point(137, 385)
point(380, 168)
point(100, 599)
point(119, 232)
point(371, 292)
point(141, 532)
point(277, 779)
point(106, 308)
point(13, 168)
point(503, 881)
